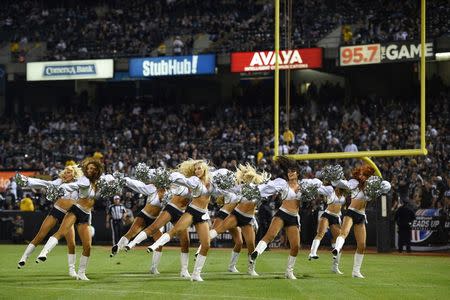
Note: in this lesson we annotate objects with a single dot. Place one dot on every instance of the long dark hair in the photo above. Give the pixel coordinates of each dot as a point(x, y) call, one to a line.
point(100, 168)
point(286, 164)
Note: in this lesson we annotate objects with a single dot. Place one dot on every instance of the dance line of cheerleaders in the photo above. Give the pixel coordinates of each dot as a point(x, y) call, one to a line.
point(184, 202)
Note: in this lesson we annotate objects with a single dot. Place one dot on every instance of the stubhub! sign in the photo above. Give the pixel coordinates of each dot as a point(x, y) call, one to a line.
point(173, 65)
point(70, 70)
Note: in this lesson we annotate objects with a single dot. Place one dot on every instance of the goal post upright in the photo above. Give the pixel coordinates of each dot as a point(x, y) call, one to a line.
point(364, 155)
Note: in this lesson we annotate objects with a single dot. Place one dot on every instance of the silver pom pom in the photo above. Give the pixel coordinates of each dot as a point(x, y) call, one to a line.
point(54, 193)
point(161, 178)
point(21, 180)
point(108, 189)
point(224, 181)
point(250, 191)
point(373, 187)
point(142, 172)
point(309, 190)
point(332, 173)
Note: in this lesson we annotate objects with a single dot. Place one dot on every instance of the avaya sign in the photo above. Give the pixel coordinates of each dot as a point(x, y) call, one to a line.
point(310, 58)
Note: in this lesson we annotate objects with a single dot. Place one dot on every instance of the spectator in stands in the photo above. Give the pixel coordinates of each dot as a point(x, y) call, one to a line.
point(11, 189)
point(26, 204)
point(18, 228)
point(162, 49)
point(428, 195)
point(177, 46)
point(303, 148)
point(288, 136)
point(350, 147)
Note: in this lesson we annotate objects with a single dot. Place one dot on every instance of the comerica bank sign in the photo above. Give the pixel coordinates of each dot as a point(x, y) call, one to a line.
point(70, 70)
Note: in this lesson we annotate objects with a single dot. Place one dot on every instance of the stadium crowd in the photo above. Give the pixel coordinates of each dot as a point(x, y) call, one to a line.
point(97, 29)
point(124, 135)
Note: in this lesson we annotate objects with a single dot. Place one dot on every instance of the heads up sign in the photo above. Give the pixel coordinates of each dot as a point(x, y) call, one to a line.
point(173, 65)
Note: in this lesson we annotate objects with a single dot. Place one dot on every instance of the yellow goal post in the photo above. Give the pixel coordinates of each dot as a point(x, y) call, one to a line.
point(364, 155)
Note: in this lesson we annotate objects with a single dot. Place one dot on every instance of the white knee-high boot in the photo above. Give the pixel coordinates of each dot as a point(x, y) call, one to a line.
point(199, 263)
point(258, 250)
point(142, 236)
point(251, 268)
point(357, 262)
point(72, 259)
point(30, 248)
point(51, 243)
point(155, 262)
point(164, 239)
point(82, 268)
point(314, 246)
point(335, 264)
point(233, 261)
point(290, 267)
point(122, 243)
point(184, 260)
point(339, 243)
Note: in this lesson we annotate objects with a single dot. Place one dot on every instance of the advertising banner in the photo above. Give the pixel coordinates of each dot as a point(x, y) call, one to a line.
point(382, 53)
point(310, 58)
point(360, 55)
point(173, 65)
point(70, 70)
point(430, 230)
point(405, 51)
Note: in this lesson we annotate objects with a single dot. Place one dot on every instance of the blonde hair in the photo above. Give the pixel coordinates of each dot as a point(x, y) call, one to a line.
point(77, 172)
point(187, 168)
point(248, 174)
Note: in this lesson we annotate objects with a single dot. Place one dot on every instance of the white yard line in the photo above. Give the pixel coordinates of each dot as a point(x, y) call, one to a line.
point(123, 291)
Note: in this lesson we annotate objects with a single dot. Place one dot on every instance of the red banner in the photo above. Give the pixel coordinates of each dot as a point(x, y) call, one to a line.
point(310, 58)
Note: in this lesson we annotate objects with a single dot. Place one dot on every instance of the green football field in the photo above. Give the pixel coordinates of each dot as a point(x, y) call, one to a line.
point(388, 276)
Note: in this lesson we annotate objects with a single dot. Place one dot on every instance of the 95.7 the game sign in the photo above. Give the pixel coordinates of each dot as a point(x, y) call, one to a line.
point(383, 53)
point(360, 55)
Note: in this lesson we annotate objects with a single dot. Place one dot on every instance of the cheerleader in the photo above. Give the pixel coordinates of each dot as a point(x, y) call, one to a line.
point(355, 215)
point(287, 215)
point(144, 219)
point(172, 212)
point(235, 232)
point(56, 214)
point(194, 174)
point(331, 218)
point(79, 213)
point(243, 215)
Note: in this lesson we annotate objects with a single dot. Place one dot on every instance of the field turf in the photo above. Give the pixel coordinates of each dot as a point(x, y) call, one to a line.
point(388, 276)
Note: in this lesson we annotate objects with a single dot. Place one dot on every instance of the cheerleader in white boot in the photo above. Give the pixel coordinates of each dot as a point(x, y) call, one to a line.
point(172, 212)
point(287, 216)
point(355, 215)
point(79, 214)
point(194, 174)
point(243, 215)
point(56, 214)
point(235, 232)
point(331, 218)
point(144, 219)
